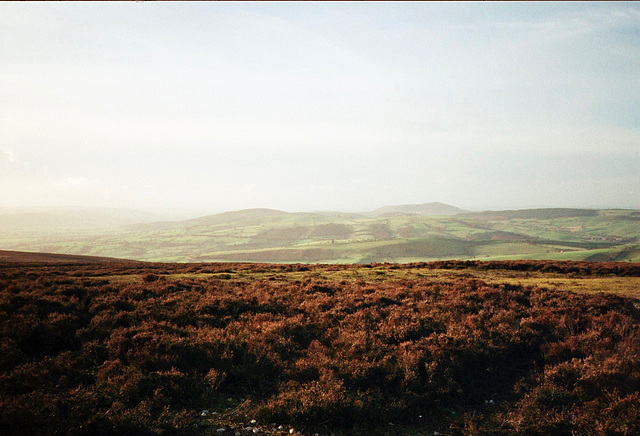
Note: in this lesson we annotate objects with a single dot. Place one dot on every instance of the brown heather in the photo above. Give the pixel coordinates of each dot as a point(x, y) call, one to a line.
point(128, 348)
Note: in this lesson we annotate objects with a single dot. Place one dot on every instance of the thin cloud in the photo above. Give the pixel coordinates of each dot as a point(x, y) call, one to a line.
point(24, 187)
point(221, 106)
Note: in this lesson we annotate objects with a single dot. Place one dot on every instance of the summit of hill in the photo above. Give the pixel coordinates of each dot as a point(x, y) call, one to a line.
point(433, 208)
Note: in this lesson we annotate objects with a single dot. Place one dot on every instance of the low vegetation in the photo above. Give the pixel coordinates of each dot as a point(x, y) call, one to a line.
point(448, 347)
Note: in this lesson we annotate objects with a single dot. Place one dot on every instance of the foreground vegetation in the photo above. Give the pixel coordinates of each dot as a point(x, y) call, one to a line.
point(449, 347)
point(263, 235)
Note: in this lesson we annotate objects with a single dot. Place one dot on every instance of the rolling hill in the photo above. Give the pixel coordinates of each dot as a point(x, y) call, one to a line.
point(542, 214)
point(434, 208)
point(396, 234)
point(28, 257)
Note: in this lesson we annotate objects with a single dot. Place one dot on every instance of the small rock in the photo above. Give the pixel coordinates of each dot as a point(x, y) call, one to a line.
point(253, 422)
point(280, 427)
point(490, 401)
point(221, 430)
point(391, 423)
point(256, 430)
point(238, 433)
point(291, 431)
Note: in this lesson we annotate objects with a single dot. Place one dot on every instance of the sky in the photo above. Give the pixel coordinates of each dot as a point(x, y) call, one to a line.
point(206, 107)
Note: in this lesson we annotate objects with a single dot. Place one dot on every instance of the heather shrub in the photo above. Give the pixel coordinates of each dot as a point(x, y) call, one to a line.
point(81, 355)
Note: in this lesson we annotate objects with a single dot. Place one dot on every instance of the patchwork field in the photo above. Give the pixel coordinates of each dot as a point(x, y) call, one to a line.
point(450, 347)
point(264, 235)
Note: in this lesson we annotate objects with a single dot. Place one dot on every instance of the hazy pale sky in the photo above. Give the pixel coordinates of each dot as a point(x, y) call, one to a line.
point(210, 107)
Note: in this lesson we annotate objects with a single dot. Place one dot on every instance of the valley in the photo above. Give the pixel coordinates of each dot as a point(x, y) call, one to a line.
point(392, 234)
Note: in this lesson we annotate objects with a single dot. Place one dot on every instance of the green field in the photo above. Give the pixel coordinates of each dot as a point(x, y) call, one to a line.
point(263, 235)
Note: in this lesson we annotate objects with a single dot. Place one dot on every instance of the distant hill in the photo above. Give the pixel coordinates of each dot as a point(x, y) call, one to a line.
point(538, 214)
point(241, 217)
point(404, 233)
point(434, 208)
point(23, 256)
point(235, 216)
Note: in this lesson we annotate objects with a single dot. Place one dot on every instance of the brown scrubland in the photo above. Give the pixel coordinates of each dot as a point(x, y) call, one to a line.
point(449, 347)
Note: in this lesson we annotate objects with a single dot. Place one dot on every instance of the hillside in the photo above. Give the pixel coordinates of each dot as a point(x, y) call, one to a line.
point(236, 217)
point(537, 214)
point(27, 257)
point(267, 235)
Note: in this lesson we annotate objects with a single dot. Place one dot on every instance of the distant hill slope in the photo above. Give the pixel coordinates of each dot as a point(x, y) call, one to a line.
point(23, 256)
point(434, 208)
point(235, 216)
point(399, 234)
point(539, 214)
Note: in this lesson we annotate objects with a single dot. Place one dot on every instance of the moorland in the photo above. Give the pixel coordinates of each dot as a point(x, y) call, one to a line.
point(409, 233)
point(451, 347)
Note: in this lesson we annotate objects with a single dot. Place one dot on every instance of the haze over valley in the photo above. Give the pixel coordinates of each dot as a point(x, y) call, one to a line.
point(403, 233)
